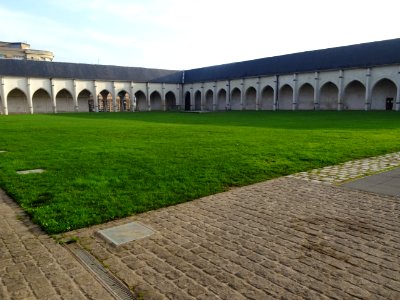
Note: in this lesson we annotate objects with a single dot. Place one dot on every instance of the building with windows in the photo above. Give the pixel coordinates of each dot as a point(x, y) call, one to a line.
point(356, 77)
point(23, 51)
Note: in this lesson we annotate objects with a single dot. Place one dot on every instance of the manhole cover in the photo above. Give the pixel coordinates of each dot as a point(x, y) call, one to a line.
point(23, 172)
point(125, 233)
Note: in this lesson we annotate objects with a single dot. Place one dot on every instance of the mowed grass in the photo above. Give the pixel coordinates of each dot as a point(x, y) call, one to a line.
point(105, 166)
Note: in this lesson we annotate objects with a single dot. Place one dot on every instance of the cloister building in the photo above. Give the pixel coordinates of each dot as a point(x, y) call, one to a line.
point(357, 77)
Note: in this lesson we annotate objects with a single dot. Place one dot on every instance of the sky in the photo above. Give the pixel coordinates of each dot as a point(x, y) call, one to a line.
point(186, 34)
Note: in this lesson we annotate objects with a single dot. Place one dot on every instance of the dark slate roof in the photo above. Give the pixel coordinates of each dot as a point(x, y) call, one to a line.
point(354, 56)
point(31, 68)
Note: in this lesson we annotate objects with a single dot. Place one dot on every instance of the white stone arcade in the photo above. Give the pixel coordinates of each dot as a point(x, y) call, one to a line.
point(375, 88)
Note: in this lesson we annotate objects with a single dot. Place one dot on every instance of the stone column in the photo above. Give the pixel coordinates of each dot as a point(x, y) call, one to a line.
point(147, 97)
point(29, 95)
point(258, 93)
point(163, 102)
point(192, 100)
point(397, 106)
point(202, 97)
point(368, 90)
point(95, 97)
point(215, 97)
point(316, 91)
point(114, 97)
point(228, 96)
point(295, 92)
point(132, 97)
point(75, 96)
point(3, 97)
point(340, 94)
point(276, 93)
point(53, 96)
point(242, 96)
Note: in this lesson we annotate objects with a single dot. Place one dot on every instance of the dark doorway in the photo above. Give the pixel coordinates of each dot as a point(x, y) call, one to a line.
point(389, 103)
point(187, 101)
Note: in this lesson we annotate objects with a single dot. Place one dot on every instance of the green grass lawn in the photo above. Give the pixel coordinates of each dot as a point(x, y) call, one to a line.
point(105, 166)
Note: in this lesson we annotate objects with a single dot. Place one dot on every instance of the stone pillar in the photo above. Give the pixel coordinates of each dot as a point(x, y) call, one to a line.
point(75, 96)
point(276, 93)
point(397, 106)
point(147, 97)
point(3, 97)
point(215, 97)
point(258, 93)
point(132, 97)
point(114, 97)
point(316, 91)
point(228, 96)
point(53, 96)
point(202, 98)
point(368, 90)
point(163, 102)
point(29, 96)
point(95, 97)
point(295, 92)
point(340, 94)
point(242, 95)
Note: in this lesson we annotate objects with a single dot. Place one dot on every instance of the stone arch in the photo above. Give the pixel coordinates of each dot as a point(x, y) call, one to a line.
point(17, 102)
point(354, 96)
point(123, 101)
point(141, 101)
point(155, 101)
point(105, 101)
point(267, 98)
point(170, 101)
point(41, 102)
point(285, 97)
point(236, 95)
point(221, 99)
point(64, 101)
point(85, 101)
point(306, 97)
point(209, 99)
point(383, 95)
point(328, 96)
point(188, 103)
point(251, 98)
point(197, 100)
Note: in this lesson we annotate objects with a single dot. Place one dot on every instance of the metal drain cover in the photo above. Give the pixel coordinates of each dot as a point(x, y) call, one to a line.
point(125, 233)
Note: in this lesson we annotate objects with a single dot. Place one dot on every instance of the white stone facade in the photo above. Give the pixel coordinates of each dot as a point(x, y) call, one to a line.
point(374, 88)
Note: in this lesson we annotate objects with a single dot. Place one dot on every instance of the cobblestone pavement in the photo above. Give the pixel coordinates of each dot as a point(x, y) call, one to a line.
point(34, 266)
point(351, 170)
point(285, 238)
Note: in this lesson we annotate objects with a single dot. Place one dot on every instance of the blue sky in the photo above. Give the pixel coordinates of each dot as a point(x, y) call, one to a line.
point(179, 34)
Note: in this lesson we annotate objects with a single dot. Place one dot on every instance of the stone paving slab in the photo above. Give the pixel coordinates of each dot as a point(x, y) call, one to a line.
point(34, 266)
point(387, 183)
point(285, 238)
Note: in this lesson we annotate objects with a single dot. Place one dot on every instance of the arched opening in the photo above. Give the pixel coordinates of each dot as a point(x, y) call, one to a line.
point(384, 95)
point(188, 105)
point(285, 97)
point(155, 101)
point(197, 101)
point(267, 98)
point(17, 102)
point(85, 101)
point(170, 101)
point(41, 102)
point(221, 99)
point(306, 97)
point(141, 101)
point(235, 99)
point(251, 96)
point(354, 96)
point(64, 101)
point(123, 101)
point(105, 101)
point(328, 96)
point(208, 105)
